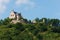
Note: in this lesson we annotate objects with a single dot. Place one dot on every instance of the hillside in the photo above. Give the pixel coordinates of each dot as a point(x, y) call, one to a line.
point(42, 29)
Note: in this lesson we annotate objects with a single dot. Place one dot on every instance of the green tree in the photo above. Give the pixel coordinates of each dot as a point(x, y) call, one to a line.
point(37, 19)
point(6, 21)
point(54, 22)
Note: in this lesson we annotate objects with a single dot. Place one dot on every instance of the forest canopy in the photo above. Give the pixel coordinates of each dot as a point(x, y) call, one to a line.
point(43, 29)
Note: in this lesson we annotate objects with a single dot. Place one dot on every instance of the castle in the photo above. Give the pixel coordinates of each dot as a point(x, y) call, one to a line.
point(16, 17)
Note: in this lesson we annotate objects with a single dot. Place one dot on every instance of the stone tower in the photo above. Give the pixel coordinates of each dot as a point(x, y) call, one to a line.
point(15, 15)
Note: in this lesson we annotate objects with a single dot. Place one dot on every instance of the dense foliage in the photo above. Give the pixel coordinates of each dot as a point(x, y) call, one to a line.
point(43, 29)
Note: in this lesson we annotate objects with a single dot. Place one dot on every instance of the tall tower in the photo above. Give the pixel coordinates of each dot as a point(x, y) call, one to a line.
point(12, 15)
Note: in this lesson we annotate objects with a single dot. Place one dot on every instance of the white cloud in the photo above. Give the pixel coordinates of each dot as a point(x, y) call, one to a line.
point(2, 8)
point(3, 5)
point(29, 3)
point(4, 1)
point(19, 2)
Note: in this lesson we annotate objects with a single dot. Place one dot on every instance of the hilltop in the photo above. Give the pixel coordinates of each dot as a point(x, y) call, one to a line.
point(38, 29)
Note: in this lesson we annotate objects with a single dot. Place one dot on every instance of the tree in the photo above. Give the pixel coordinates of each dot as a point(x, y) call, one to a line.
point(56, 29)
point(42, 28)
point(26, 21)
point(1, 22)
point(6, 21)
point(29, 22)
point(54, 22)
point(37, 19)
point(19, 26)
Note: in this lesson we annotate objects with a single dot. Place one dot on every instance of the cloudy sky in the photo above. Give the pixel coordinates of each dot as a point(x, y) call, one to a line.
point(31, 9)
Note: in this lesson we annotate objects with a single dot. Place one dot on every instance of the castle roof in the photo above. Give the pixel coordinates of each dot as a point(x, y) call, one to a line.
point(16, 12)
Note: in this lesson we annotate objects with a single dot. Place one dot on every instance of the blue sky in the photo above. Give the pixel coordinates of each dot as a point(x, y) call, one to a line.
point(31, 9)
